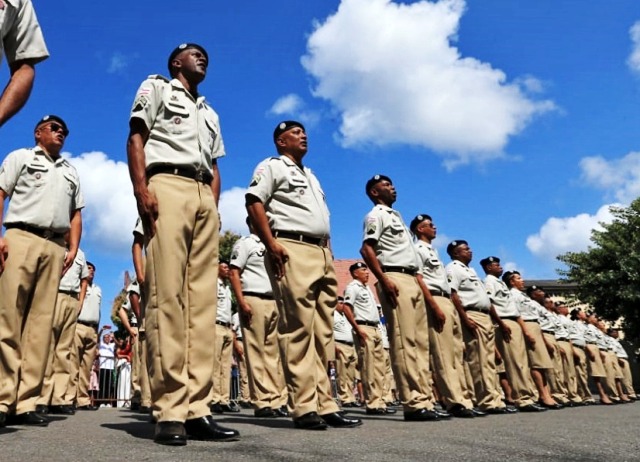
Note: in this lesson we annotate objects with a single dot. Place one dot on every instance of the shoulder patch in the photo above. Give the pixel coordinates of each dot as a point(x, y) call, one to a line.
point(158, 77)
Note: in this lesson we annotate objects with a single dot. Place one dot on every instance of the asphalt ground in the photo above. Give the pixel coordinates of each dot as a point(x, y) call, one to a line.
point(592, 433)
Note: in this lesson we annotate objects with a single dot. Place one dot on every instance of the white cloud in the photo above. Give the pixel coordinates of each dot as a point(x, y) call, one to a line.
point(634, 58)
point(569, 234)
point(287, 104)
point(118, 62)
point(292, 105)
point(232, 210)
point(110, 213)
point(619, 177)
point(392, 72)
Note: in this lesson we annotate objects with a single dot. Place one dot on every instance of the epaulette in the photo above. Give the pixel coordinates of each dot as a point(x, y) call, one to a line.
point(158, 77)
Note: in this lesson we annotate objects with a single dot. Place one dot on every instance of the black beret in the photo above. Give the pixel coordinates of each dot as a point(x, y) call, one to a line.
point(453, 244)
point(185, 46)
point(285, 126)
point(532, 289)
point(53, 118)
point(417, 220)
point(506, 277)
point(486, 261)
point(357, 265)
point(374, 180)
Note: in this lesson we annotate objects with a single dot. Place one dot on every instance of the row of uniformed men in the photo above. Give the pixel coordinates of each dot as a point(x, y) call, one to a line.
point(536, 347)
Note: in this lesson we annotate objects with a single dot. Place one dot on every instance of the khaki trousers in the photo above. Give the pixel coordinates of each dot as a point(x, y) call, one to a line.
point(516, 364)
point(139, 371)
point(596, 368)
point(627, 380)
point(389, 383)
point(181, 273)
point(610, 362)
point(243, 379)
point(582, 378)
point(346, 361)
point(569, 370)
point(58, 372)
point(555, 375)
point(83, 354)
point(28, 288)
point(371, 361)
point(446, 352)
point(538, 356)
point(408, 331)
point(306, 298)
point(261, 353)
point(223, 348)
point(481, 358)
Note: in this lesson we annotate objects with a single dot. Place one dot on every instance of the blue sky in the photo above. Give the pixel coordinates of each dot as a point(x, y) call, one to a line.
point(514, 124)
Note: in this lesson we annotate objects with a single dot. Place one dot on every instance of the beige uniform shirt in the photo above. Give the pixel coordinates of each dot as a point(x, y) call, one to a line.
point(43, 192)
point(576, 332)
point(617, 348)
point(529, 310)
point(500, 297)
point(224, 303)
point(432, 268)
point(182, 130)
point(79, 270)
point(91, 306)
point(467, 284)
point(394, 246)
point(134, 287)
point(20, 33)
point(341, 328)
point(360, 298)
point(248, 256)
point(292, 197)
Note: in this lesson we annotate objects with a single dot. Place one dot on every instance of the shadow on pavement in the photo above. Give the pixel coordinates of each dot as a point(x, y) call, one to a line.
point(136, 429)
point(6, 431)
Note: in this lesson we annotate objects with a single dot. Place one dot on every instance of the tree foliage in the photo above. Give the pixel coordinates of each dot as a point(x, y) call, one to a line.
point(608, 273)
point(227, 241)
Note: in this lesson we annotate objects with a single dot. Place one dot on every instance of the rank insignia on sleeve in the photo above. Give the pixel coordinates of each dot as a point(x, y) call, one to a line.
point(140, 103)
point(234, 256)
point(255, 181)
point(371, 229)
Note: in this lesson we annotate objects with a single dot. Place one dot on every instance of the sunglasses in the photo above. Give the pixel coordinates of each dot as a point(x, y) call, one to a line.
point(55, 127)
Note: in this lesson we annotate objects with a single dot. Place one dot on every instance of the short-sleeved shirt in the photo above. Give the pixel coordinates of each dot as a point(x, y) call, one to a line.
point(394, 246)
point(465, 281)
point(561, 331)
point(235, 325)
point(91, 307)
point(576, 331)
point(132, 288)
point(546, 320)
point(529, 309)
point(79, 270)
point(359, 296)
point(591, 333)
point(20, 32)
point(183, 130)
point(500, 297)
point(44, 192)
point(292, 196)
point(617, 348)
point(138, 228)
point(341, 328)
point(602, 342)
point(224, 303)
point(248, 256)
point(432, 268)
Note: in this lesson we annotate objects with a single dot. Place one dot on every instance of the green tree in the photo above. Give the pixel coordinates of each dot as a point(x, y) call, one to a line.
point(608, 273)
point(227, 240)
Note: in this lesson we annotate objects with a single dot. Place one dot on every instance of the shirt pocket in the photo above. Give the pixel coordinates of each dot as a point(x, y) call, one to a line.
point(176, 114)
point(71, 186)
point(299, 187)
point(37, 173)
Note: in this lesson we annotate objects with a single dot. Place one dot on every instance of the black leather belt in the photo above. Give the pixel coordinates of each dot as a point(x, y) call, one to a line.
point(509, 318)
point(40, 232)
point(562, 339)
point(591, 343)
point(70, 293)
point(580, 346)
point(550, 332)
point(258, 295)
point(89, 324)
point(438, 293)
point(399, 269)
point(223, 324)
point(187, 172)
point(475, 308)
point(345, 343)
point(367, 323)
point(319, 241)
point(532, 320)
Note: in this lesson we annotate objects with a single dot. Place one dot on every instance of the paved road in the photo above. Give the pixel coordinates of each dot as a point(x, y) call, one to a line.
point(594, 433)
